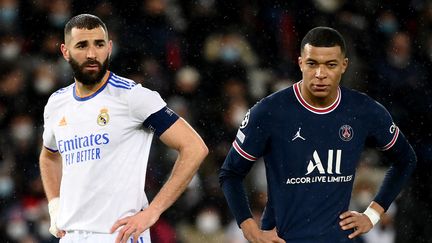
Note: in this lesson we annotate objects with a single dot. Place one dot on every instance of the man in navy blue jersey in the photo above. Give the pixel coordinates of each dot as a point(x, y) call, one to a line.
point(311, 136)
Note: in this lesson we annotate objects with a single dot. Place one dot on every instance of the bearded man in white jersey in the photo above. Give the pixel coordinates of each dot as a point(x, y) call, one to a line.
point(96, 142)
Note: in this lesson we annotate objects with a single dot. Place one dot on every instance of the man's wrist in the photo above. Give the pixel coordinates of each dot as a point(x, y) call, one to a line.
point(373, 215)
point(250, 229)
point(53, 204)
point(53, 209)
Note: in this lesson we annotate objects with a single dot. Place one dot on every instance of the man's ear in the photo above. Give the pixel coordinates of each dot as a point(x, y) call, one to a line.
point(345, 64)
point(65, 52)
point(110, 46)
point(300, 62)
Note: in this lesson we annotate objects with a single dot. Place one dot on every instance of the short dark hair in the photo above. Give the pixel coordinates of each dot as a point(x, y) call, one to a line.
point(84, 21)
point(324, 37)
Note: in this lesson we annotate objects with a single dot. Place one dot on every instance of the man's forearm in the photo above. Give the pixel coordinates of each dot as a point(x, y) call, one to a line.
point(404, 161)
point(51, 173)
point(184, 169)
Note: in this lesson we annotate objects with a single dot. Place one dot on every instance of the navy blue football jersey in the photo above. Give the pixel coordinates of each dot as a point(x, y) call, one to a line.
point(310, 156)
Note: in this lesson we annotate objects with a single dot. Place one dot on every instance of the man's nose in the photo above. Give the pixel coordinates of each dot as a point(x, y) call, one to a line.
point(91, 53)
point(321, 72)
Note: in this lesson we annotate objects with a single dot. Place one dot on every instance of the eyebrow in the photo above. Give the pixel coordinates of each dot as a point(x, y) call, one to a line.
point(86, 41)
point(99, 41)
point(313, 60)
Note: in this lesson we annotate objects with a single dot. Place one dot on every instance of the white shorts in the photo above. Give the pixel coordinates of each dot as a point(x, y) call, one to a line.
point(91, 237)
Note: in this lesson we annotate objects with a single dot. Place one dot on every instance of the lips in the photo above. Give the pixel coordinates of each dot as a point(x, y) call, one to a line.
point(92, 67)
point(320, 87)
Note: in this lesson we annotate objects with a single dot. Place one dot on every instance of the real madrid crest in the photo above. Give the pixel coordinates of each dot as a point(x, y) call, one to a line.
point(346, 133)
point(103, 117)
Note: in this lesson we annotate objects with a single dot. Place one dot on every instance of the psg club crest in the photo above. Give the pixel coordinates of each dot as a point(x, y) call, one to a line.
point(103, 117)
point(346, 133)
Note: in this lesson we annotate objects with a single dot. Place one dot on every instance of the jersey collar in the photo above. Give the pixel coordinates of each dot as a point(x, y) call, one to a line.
point(316, 110)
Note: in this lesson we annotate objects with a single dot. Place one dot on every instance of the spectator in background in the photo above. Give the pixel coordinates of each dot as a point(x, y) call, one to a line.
point(9, 16)
point(401, 78)
point(207, 226)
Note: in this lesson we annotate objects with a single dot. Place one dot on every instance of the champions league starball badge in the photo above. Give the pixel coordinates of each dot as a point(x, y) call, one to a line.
point(103, 117)
point(346, 133)
point(245, 120)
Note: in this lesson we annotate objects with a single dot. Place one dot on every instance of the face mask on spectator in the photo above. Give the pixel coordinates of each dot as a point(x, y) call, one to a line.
point(229, 54)
point(208, 222)
point(58, 19)
point(388, 26)
point(22, 132)
point(10, 51)
point(6, 186)
point(8, 14)
point(17, 229)
point(44, 85)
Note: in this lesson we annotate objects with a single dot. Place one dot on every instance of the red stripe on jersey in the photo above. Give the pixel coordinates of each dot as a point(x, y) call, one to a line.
point(392, 142)
point(243, 153)
point(313, 109)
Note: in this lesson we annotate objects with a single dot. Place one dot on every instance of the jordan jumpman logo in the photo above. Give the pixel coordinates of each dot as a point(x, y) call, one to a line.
point(297, 135)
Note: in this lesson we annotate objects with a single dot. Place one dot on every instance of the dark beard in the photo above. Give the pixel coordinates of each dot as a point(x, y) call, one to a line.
point(88, 78)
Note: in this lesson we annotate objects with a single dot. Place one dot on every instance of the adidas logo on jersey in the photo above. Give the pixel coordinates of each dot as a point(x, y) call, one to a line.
point(62, 122)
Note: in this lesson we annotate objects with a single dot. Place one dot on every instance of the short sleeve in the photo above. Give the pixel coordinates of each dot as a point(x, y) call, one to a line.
point(144, 102)
point(383, 131)
point(251, 137)
point(49, 140)
point(161, 120)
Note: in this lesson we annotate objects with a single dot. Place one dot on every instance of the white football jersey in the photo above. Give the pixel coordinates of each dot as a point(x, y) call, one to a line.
point(104, 151)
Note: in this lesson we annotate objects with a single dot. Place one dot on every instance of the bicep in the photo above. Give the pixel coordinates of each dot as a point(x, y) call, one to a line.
point(46, 156)
point(383, 132)
point(180, 135)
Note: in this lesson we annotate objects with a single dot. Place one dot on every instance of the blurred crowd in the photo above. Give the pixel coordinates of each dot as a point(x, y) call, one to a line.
point(211, 60)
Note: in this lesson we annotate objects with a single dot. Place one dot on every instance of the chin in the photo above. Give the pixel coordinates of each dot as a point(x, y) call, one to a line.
point(321, 94)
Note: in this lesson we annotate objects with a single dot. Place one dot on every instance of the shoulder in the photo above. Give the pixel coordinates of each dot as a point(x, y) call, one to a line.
point(127, 90)
point(362, 101)
point(119, 86)
point(268, 107)
point(58, 98)
point(132, 93)
point(120, 82)
point(277, 98)
point(60, 94)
